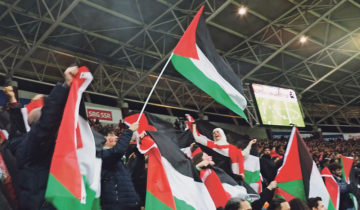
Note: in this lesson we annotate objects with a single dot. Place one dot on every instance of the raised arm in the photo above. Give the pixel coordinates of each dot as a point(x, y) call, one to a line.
point(246, 151)
point(199, 138)
point(120, 148)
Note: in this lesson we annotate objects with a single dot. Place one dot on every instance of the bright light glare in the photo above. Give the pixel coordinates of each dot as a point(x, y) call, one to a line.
point(242, 10)
point(303, 39)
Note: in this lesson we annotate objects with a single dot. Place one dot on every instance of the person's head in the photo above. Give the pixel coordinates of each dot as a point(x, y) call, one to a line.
point(219, 136)
point(335, 169)
point(297, 204)
point(237, 204)
point(267, 151)
point(279, 204)
point(110, 136)
point(201, 156)
point(280, 150)
point(316, 204)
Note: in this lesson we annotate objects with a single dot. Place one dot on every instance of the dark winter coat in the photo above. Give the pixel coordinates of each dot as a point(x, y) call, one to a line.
point(35, 150)
point(117, 189)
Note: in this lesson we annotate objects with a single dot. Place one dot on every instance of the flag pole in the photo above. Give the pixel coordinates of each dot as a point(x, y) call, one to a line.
point(153, 88)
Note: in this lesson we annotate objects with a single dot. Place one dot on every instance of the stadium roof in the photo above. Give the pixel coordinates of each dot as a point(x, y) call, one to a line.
point(126, 42)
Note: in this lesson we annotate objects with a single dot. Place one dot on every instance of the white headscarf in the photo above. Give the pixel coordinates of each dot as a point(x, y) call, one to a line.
point(223, 140)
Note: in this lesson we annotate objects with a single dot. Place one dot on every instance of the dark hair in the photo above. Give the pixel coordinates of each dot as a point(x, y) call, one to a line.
point(313, 202)
point(107, 130)
point(194, 147)
point(297, 204)
point(276, 204)
point(334, 166)
point(233, 203)
point(267, 147)
point(197, 158)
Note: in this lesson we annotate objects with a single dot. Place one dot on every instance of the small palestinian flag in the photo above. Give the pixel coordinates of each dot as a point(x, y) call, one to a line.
point(347, 166)
point(195, 57)
point(299, 176)
point(74, 179)
point(331, 186)
point(172, 181)
point(252, 173)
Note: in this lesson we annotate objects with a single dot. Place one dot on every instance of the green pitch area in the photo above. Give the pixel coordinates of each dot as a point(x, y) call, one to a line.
point(277, 112)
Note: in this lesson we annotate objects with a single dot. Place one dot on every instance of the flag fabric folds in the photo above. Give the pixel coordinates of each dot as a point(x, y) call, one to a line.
point(347, 166)
point(195, 57)
point(331, 186)
point(172, 181)
point(74, 179)
point(299, 176)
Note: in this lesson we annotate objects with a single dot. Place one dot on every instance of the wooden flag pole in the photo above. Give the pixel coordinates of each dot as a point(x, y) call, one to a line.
point(153, 88)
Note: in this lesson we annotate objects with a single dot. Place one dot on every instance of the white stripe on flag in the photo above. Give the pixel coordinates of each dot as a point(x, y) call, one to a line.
point(208, 69)
point(90, 165)
point(235, 191)
point(187, 189)
point(317, 186)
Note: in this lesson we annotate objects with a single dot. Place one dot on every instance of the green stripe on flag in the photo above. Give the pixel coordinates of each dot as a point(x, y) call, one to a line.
point(61, 198)
point(331, 206)
point(295, 188)
point(153, 203)
point(252, 176)
point(180, 204)
point(187, 68)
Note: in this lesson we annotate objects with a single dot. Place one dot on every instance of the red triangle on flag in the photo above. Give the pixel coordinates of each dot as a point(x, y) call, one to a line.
point(186, 47)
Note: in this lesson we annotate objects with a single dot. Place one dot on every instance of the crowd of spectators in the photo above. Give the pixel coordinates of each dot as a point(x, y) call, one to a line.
point(26, 155)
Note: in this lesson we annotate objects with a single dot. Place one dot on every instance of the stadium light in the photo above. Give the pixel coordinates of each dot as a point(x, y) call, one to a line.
point(303, 39)
point(242, 10)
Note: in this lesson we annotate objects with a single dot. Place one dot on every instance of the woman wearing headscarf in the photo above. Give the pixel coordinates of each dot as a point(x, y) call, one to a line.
point(221, 146)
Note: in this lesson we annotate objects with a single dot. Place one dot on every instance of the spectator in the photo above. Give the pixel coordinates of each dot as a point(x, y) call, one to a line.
point(117, 189)
point(237, 204)
point(279, 204)
point(265, 196)
point(297, 204)
point(345, 200)
point(220, 143)
point(35, 148)
point(316, 204)
point(267, 166)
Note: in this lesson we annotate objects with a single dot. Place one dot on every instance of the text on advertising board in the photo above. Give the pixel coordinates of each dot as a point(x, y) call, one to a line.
point(101, 114)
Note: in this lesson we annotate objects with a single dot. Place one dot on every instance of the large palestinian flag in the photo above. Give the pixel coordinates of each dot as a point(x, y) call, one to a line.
point(196, 59)
point(331, 186)
point(74, 179)
point(172, 181)
point(299, 176)
point(347, 166)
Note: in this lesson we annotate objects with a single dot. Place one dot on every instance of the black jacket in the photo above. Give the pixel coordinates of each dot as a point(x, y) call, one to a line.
point(267, 168)
point(265, 196)
point(117, 189)
point(35, 150)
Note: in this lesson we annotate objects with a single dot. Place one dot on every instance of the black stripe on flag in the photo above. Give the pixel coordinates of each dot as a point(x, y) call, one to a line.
point(166, 142)
point(306, 162)
point(205, 43)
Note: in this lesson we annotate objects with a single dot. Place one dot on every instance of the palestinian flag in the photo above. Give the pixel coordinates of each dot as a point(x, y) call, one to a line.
point(74, 179)
point(347, 166)
point(172, 181)
point(331, 186)
point(299, 176)
point(195, 57)
point(252, 172)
